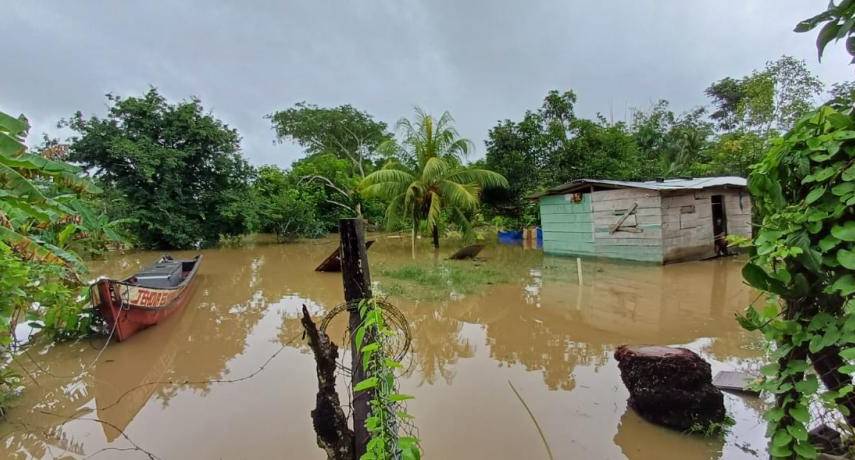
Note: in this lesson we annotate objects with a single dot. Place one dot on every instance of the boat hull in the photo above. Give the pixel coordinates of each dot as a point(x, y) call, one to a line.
point(128, 308)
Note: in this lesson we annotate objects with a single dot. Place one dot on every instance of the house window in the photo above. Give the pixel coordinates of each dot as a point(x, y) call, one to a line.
point(688, 218)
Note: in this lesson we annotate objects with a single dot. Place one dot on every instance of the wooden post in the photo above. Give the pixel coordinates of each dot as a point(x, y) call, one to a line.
point(579, 269)
point(357, 286)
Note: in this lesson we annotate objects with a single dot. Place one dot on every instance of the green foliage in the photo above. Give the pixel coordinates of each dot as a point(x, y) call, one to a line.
point(552, 145)
point(802, 254)
point(388, 414)
point(714, 429)
point(47, 219)
point(838, 22)
point(768, 100)
point(342, 131)
point(176, 169)
point(427, 176)
point(285, 208)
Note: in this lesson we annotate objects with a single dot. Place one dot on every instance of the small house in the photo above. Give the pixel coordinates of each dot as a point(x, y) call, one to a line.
point(662, 221)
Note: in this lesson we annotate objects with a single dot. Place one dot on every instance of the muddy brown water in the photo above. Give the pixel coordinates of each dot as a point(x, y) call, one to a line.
point(202, 385)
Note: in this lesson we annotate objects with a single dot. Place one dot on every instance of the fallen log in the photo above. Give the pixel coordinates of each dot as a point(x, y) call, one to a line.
point(333, 262)
point(468, 252)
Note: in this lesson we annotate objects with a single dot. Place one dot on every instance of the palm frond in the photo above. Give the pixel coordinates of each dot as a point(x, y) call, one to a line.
point(482, 177)
point(434, 210)
point(459, 195)
point(434, 168)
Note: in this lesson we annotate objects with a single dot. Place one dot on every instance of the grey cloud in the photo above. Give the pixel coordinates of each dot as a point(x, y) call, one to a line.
point(481, 60)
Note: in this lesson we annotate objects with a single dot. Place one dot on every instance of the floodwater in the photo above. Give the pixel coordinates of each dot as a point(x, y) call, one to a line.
point(231, 375)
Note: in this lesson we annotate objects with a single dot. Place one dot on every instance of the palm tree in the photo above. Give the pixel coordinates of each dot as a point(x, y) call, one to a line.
point(426, 175)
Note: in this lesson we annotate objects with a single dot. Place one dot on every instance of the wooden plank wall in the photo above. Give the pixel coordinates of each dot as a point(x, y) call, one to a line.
point(609, 205)
point(737, 205)
point(674, 226)
point(689, 235)
point(567, 226)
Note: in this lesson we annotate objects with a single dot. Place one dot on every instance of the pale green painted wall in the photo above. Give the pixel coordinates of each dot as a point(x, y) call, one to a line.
point(567, 227)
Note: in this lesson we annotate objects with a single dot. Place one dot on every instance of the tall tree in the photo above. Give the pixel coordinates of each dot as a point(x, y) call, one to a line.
point(767, 101)
point(432, 178)
point(178, 169)
point(344, 131)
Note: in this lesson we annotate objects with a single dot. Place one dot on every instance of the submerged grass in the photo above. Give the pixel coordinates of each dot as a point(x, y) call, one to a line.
point(443, 280)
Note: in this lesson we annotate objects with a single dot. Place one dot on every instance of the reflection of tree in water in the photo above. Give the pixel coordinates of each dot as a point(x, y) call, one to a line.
point(542, 344)
point(436, 343)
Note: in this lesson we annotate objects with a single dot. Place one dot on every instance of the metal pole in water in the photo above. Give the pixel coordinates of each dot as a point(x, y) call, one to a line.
point(579, 269)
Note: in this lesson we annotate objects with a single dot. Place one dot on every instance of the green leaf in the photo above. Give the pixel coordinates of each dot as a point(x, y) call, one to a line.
point(755, 276)
point(814, 195)
point(774, 414)
point(844, 188)
point(846, 258)
point(800, 413)
point(808, 386)
point(400, 397)
point(825, 35)
point(770, 370)
point(844, 232)
point(359, 336)
point(848, 354)
point(782, 438)
point(781, 451)
point(367, 384)
point(371, 347)
point(845, 284)
point(828, 243)
point(805, 450)
point(815, 344)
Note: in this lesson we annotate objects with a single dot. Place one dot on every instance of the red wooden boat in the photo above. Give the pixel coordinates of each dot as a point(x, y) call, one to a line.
point(145, 298)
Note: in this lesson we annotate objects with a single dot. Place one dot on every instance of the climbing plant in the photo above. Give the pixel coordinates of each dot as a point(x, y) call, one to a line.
point(803, 257)
point(388, 415)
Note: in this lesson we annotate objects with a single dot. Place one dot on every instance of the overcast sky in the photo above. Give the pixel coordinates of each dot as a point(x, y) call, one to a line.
point(481, 60)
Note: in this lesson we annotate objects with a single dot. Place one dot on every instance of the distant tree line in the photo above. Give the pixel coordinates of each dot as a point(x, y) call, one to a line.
point(552, 145)
point(178, 175)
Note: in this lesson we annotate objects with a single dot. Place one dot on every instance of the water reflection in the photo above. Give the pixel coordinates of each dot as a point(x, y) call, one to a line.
point(553, 337)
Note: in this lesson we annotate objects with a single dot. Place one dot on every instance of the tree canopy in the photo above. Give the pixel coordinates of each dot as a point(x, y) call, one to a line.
point(175, 169)
point(343, 131)
point(432, 179)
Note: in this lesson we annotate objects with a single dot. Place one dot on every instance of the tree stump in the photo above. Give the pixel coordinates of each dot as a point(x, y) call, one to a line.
point(670, 386)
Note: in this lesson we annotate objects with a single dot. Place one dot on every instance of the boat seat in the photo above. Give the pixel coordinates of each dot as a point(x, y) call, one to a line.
point(164, 274)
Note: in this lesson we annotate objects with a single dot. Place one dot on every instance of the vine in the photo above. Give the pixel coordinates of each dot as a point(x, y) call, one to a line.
point(387, 412)
point(803, 256)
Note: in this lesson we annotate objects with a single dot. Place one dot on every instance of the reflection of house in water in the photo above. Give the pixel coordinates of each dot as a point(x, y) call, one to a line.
point(552, 324)
point(660, 221)
point(630, 303)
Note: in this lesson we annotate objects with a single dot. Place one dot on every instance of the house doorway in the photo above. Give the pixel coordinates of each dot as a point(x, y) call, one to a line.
point(719, 218)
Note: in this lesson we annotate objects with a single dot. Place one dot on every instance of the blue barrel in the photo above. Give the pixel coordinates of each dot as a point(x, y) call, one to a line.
point(510, 236)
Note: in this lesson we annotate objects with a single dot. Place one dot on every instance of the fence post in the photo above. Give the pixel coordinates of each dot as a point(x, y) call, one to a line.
point(357, 286)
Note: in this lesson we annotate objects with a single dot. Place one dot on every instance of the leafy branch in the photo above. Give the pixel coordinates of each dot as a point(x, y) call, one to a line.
point(388, 414)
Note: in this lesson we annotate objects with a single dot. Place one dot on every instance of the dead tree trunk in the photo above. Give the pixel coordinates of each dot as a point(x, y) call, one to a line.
point(435, 234)
point(357, 286)
point(328, 418)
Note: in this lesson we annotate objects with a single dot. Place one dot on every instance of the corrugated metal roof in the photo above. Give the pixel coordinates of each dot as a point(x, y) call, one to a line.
point(697, 183)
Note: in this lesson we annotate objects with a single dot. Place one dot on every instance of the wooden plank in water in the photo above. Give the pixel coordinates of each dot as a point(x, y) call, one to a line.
point(333, 262)
point(735, 381)
point(467, 252)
